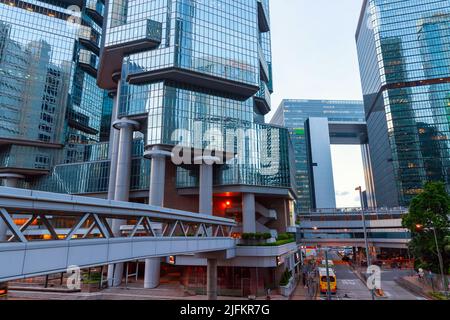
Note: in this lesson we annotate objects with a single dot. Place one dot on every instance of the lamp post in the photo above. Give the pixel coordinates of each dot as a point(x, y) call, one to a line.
point(366, 242)
point(328, 275)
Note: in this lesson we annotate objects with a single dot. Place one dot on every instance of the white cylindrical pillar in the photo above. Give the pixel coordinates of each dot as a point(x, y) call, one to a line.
point(205, 197)
point(156, 198)
point(152, 273)
point(113, 146)
point(157, 180)
point(248, 213)
point(126, 128)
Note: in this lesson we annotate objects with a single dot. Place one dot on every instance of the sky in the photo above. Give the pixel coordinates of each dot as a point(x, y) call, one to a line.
point(314, 57)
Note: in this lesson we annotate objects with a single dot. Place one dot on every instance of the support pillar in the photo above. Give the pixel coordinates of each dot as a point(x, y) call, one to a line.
point(113, 146)
point(248, 213)
point(211, 279)
point(157, 178)
point(206, 189)
point(156, 198)
point(152, 273)
point(122, 186)
point(205, 198)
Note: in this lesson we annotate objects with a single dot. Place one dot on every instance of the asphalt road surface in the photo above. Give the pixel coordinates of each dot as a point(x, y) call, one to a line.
point(350, 287)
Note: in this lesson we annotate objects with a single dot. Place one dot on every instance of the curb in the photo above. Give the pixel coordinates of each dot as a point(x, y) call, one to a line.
point(412, 288)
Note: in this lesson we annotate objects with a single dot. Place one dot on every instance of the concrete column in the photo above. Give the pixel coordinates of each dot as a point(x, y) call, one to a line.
point(157, 179)
point(122, 186)
point(211, 279)
point(152, 273)
point(156, 198)
point(206, 183)
point(206, 189)
point(126, 127)
point(113, 147)
point(248, 213)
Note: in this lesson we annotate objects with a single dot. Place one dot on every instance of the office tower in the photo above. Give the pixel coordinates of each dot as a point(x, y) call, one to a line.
point(343, 124)
point(404, 57)
point(50, 105)
point(190, 83)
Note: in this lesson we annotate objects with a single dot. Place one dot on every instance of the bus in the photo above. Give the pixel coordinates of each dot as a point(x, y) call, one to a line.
point(323, 283)
point(3, 290)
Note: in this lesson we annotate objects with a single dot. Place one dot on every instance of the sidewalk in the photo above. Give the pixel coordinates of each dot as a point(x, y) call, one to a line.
point(413, 284)
point(301, 293)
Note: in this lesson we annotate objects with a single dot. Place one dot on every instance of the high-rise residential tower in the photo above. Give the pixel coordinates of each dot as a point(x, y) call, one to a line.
point(404, 57)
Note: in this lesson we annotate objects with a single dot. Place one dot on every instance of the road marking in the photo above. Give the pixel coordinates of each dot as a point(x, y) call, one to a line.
point(348, 282)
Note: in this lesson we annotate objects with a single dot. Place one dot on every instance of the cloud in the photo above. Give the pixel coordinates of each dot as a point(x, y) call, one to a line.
point(342, 193)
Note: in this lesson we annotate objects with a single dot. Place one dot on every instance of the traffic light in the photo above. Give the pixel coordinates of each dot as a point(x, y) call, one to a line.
point(419, 227)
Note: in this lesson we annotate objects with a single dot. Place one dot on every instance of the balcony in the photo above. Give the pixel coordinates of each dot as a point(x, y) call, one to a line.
point(146, 36)
point(262, 99)
point(263, 17)
point(89, 38)
point(88, 61)
point(95, 9)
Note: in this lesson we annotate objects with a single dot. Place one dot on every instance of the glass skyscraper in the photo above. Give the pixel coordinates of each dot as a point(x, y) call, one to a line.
point(133, 80)
point(175, 65)
point(50, 105)
point(404, 56)
point(293, 114)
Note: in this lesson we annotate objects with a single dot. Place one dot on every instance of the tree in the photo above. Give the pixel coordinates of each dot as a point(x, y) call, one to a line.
point(430, 210)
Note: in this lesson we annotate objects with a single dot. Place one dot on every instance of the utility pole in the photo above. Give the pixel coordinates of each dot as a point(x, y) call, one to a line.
point(328, 276)
point(366, 242)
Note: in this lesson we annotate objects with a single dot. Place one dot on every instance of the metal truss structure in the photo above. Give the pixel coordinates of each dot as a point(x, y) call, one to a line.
point(79, 232)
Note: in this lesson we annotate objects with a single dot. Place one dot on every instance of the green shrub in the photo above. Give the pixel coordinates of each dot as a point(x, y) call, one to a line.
point(438, 296)
point(285, 236)
point(287, 275)
point(267, 236)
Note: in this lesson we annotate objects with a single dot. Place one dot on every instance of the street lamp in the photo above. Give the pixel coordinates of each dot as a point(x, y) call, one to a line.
point(441, 263)
point(363, 215)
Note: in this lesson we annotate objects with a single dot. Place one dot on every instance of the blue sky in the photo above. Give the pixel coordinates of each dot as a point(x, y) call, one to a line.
point(314, 57)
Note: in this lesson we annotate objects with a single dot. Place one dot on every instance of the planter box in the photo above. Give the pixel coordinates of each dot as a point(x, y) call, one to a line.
point(287, 290)
point(90, 287)
point(251, 243)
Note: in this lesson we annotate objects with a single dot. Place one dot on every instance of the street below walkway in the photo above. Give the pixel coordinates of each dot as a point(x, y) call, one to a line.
point(351, 287)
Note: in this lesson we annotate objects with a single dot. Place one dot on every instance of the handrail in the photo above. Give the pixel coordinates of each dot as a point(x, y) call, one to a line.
point(84, 215)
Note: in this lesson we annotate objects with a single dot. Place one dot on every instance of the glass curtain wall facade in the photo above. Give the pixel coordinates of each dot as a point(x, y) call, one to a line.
point(404, 56)
point(50, 104)
point(194, 66)
point(293, 114)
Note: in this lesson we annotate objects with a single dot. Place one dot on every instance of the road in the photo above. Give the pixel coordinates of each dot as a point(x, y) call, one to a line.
point(352, 288)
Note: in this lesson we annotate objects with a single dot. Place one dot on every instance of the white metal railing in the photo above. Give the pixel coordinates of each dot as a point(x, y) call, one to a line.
point(88, 214)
